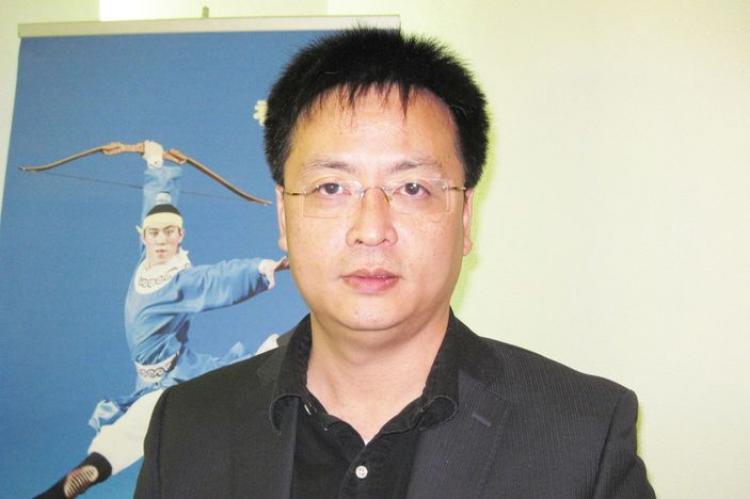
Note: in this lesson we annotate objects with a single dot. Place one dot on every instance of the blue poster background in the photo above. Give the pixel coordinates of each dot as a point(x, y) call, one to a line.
point(68, 246)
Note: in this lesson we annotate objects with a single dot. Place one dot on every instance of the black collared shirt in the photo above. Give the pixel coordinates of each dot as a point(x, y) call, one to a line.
point(331, 460)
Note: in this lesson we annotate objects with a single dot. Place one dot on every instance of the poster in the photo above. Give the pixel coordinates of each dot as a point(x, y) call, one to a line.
point(68, 240)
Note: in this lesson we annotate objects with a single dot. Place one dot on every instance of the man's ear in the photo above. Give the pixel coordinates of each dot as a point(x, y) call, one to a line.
point(467, 215)
point(281, 218)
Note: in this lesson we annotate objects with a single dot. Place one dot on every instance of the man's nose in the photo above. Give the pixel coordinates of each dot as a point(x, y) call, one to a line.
point(371, 222)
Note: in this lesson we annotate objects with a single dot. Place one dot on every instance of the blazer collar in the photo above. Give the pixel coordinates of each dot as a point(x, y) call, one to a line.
point(287, 372)
point(453, 459)
point(263, 455)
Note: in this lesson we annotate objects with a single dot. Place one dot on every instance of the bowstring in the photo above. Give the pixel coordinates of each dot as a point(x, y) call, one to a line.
point(132, 186)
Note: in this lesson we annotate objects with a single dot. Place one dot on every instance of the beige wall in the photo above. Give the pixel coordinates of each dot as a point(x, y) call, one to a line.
point(613, 226)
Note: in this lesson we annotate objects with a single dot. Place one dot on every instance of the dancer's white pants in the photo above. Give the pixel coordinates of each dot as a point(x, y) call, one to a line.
point(122, 441)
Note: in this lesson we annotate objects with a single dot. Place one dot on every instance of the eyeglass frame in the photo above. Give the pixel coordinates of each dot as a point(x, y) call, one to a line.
point(362, 190)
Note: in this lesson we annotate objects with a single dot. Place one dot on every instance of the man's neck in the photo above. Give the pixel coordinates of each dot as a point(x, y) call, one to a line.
point(367, 377)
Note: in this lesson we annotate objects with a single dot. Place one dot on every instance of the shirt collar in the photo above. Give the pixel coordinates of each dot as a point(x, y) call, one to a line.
point(439, 400)
point(292, 378)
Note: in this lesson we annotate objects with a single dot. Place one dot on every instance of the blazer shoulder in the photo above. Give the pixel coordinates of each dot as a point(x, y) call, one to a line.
point(207, 433)
point(532, 379)
point(517, 369)
point(236, 380)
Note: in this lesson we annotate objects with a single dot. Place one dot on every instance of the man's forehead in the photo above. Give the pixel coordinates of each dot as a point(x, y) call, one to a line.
point(420, 164)
point(344, 100)
point(361, 109)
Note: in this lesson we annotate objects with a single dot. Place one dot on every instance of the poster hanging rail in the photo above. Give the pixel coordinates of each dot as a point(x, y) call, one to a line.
point(203, 25)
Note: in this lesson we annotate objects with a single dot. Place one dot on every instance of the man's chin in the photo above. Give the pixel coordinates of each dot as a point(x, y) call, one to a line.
point(369, 318)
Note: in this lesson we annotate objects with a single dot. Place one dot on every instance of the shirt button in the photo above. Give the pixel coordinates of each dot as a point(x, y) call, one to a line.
point(361, 471)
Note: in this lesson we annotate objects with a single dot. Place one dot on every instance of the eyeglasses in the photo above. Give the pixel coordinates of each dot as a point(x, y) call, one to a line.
point(332, 197)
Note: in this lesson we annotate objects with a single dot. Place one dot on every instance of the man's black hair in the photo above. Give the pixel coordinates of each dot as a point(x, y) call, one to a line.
point(361, 59)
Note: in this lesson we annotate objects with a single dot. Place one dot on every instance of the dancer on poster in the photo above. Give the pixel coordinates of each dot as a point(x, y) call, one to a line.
point(165, 291)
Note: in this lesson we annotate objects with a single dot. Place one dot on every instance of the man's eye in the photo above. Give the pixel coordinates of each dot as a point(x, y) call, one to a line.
point(414, 189)
point(330, 189)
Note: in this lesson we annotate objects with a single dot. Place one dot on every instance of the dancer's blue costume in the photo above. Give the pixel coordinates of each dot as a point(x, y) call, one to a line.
point(157, 320)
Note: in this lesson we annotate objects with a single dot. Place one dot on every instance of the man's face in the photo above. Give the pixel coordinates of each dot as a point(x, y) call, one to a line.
point(162, 243)
point(371, 267)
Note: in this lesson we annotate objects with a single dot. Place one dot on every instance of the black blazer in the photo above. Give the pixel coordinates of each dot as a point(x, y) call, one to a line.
point(526, 427)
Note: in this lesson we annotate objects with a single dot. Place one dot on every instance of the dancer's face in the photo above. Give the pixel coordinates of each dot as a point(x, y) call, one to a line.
point(162, 243)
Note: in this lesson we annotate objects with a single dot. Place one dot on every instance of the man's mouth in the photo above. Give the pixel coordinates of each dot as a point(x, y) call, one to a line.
point(371, 281)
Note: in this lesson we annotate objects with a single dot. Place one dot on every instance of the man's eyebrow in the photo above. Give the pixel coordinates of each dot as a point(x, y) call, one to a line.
point(405, 165)
point(427, 163)
point(318, 164)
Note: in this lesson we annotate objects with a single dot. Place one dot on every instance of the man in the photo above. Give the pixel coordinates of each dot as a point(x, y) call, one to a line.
point(166, 290)
point(376, 142)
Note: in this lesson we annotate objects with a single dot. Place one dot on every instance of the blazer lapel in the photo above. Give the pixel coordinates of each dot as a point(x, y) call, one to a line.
point(454, 458)
point(263, 457)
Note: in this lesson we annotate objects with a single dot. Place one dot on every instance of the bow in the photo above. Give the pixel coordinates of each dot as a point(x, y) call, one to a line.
point(172, 155)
